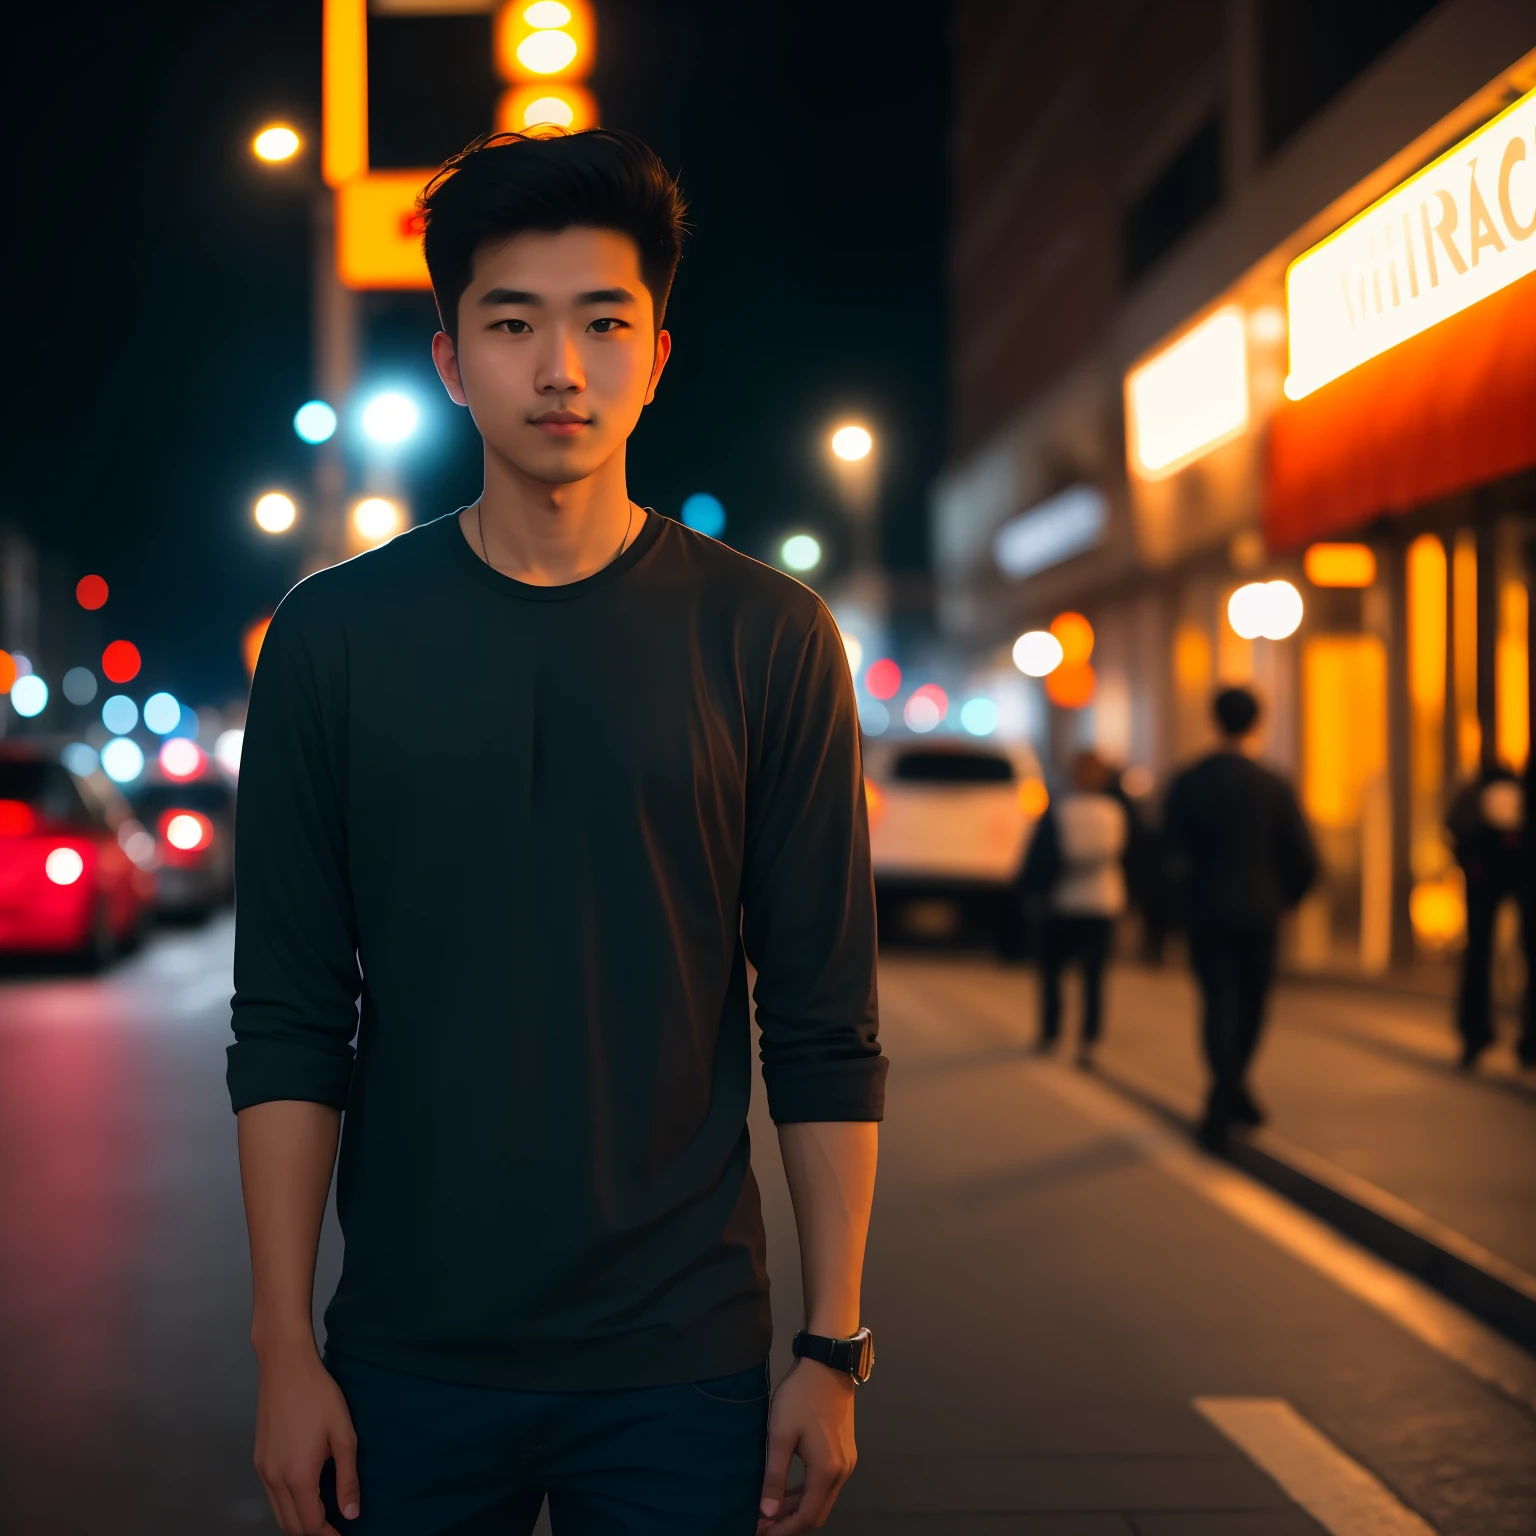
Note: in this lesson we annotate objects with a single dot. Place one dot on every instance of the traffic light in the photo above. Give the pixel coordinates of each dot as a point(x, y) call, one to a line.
point(544, 50)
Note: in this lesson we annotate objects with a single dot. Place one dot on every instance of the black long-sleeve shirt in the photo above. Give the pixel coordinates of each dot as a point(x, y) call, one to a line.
point(537, 832)
point(1237, 844)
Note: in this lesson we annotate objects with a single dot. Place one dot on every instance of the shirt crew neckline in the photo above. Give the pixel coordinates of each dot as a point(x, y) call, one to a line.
point(569, 591)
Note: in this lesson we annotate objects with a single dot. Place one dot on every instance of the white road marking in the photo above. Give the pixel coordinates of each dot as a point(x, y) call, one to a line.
point(1413, 1306)
point(1333, 1488)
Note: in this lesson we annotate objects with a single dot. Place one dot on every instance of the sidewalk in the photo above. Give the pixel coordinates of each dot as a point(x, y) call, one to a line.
point(1371, 1126)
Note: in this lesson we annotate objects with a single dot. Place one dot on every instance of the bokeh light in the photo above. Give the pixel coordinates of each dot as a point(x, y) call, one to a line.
point(874, 717)
point(1072, 685)
point(926, 709)
point(187, 830)
point(547, 52)
point(275, 512)
point(64, 865)
point(79, 685)
point(9, 671)
point(1268, 610)
point(121, 661)
point(553, 110)
point(226, 750)
point(121, 760)
point(800, 552)
point(853, 648)
point(17, 818)
point(275, 143)
point(1034, 797)
point(1075, 636)
point(315, 421)
point(978, 717)
point(852, 443)
point(181, 758)
point(29, 695)
point(547, 13)
point(704, 514)
point(119, 714)
point(1037, 653)
point(391, 417)
point(91, 592)
point(883, 679)
point(162, 713)
point(376, 519)
point(80, 759)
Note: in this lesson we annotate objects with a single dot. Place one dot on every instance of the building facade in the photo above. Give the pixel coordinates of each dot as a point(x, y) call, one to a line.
point(1243, 294)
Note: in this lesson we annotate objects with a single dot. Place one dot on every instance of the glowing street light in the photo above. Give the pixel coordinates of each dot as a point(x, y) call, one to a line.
point(389, 418)
point(851, 443)
point(275, 512)
point(1267, 610)
point(315, 421)
point(1037, 653)
point(800, 552)
point(276, 143)
point(376, 519)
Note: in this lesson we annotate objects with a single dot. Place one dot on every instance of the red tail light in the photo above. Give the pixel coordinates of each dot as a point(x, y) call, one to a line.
point(16, 818)
point(183, 833)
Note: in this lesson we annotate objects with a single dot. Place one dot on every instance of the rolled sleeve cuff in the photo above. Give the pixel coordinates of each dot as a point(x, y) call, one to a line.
point(262, 1071)
point(851, 1089)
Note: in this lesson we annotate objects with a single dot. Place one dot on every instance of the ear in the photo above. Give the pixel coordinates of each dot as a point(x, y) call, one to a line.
point(445, 356)
point(663, 352)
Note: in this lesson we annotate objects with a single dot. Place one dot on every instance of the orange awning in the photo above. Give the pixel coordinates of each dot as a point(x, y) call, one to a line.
point(1450, 408)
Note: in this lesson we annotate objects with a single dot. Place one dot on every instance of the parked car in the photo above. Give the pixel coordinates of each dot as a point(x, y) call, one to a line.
point(949, 825)
point(76, 867)
point(193, 825)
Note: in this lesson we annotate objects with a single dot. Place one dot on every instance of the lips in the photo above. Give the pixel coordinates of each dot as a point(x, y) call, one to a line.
point(560, 423)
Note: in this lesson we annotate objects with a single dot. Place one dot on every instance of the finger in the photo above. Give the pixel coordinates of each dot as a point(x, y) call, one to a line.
point(815, 1500)
point(344, 1453)
point(287, 1514)
point(274, 1504)
point(787, 1507)
point(781, 1450)
point(305, 1491)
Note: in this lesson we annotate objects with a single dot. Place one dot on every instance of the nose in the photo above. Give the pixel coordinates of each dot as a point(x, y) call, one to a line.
point(560, 371)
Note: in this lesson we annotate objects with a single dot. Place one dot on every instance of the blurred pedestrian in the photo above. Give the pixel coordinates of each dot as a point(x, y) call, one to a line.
point(1146, 879)
point(1487, 825)
point(1239, 849)
point(512, 944)
point(1075, 870)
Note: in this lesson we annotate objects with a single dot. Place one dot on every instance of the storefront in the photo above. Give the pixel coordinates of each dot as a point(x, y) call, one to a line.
point(1355, 419)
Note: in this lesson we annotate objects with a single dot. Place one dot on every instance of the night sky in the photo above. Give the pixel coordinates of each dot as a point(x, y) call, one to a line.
point(160, 290)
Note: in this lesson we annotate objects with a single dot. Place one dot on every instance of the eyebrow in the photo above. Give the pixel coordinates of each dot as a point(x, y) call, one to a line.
point(534, 301)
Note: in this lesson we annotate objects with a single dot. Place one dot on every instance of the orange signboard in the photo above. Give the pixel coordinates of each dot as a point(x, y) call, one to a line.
point(378, 230)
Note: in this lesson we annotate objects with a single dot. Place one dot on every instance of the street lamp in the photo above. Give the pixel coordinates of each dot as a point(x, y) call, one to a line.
point(800, 552)
point(391, 417)
point(376, 520)
point(275, 512)
point(851, 443)
point(276, 143)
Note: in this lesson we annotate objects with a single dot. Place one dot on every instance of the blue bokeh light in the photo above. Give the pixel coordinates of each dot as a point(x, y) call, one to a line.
point(79, 685)
point(704, 514)
point(122, 760)
point(119, 714)
point(162, 713)
point(29, 695)
point(315, 421)
point(80, 759)
point(874, 717)
point(979, 716)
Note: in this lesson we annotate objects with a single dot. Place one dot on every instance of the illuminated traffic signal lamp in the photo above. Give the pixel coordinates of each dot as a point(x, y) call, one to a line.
point(544, 50)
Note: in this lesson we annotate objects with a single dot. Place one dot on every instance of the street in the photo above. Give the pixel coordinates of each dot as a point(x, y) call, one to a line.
point(1084, 1326)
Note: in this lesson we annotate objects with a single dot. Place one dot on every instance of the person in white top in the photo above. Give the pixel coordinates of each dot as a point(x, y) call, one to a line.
point(1076, 872)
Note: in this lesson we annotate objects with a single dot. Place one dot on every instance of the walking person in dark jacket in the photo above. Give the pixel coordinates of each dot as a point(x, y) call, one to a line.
point(1486, 821)
point(1240, 849)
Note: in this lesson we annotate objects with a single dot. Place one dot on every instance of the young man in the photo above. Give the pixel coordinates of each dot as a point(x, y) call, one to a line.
point(533, 783)
point(1239, 847)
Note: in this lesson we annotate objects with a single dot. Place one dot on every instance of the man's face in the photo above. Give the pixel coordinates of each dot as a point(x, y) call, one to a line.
point(557, 352)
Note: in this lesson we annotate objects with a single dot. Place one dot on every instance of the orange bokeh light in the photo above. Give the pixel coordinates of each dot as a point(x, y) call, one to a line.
point(1071, 685)
point(121, 661)
point(91, 592)
point(1075, 636)
point(874, 800)
point(7, 671)
point(520, 29)
point(1034, 797)
point(250, 643)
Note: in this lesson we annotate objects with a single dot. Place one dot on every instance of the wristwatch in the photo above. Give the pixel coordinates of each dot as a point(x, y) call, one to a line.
point(855, 1355)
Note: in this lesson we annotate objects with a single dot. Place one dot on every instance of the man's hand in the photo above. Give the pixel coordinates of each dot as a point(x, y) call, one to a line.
point(301, 1422)
point(812, 1413)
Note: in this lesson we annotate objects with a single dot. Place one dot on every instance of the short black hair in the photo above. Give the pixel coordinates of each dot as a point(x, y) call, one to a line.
point(505, 183)
point(1236, 711)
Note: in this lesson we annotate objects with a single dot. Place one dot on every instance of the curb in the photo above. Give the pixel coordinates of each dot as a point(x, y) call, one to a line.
point(1492, 1289)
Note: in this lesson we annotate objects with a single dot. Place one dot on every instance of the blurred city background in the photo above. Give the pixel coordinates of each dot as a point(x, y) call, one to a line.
point(1088, 360)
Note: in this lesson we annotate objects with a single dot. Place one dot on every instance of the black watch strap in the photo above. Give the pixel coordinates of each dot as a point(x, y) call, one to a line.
point(854, 1355)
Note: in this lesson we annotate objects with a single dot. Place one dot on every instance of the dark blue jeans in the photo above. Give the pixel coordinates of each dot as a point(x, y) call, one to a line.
point(435, 1457)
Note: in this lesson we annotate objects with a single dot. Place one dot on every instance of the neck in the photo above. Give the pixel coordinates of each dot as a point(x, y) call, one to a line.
point(549, 535)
